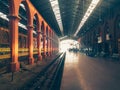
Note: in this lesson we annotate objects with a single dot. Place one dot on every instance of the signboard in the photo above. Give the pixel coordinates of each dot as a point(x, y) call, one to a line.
point(100, 39)
point(107, 37)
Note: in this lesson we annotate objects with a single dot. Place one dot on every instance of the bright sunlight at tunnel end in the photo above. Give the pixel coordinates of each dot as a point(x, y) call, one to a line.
point(65, 45)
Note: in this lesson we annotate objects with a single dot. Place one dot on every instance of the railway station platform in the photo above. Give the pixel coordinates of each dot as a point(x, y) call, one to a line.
point(79, 72)
point(59, 44)
point(82, 72)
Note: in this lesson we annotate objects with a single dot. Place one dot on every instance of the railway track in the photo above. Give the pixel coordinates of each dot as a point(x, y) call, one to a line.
point(49, 78)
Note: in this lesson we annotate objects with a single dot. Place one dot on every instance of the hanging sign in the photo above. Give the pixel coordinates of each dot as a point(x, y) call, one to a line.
point(99, 39)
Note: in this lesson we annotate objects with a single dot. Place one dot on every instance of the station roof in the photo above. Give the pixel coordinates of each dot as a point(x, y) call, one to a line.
point(71, 14)
point(66, 16)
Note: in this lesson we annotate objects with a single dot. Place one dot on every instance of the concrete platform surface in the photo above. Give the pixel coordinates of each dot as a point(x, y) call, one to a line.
point(86, 73)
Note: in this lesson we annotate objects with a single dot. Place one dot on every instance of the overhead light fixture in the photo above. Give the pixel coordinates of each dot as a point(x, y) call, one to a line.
point(87, 14)
point(22, 5)
point(56, 10)
point(22, 26)
point(63, 37)
point(4, 16)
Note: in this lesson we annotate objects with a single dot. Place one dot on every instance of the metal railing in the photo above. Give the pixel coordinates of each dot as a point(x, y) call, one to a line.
point(5, 53)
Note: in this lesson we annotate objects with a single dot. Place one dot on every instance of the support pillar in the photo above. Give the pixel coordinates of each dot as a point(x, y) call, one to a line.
point(112, 39)
point(52, 42)
point(44, 43)
point(39, 46)
point(48, 44)
point(14, 42)
point(50, 47)
point(30, 45)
